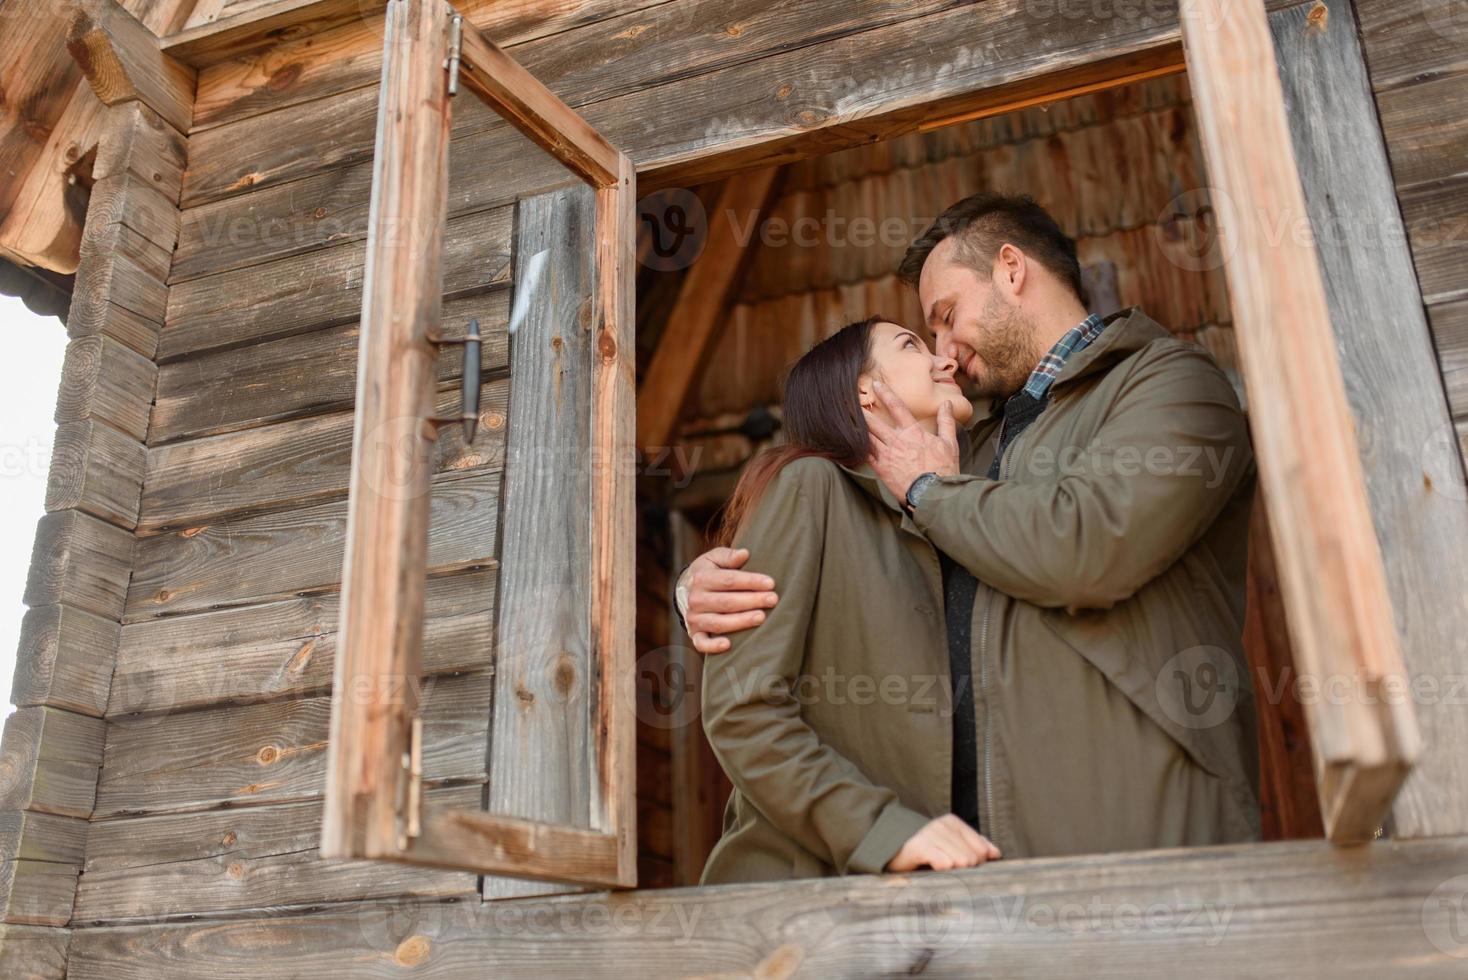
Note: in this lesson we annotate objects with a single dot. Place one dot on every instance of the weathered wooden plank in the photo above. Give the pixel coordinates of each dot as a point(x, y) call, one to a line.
point(98, 470)
point(39, 78)
point(240, 859)
point(103, 379)
point(273, 752)
point(1450, 332)
point(537, 112)
point(293, 70)
point(372, 733)
point(126, 273)
point(79, 561)
point(139, 204)
point(49, 760)
point(1330, 562)
point(1426, 127)
point(329, 206)
point(29, 836)
point(297, 552)
point(121, 59)
point(1382, 910)
point(102, 317)
point(306, 374)
point(319, 289)
point(284, 649)
point(1386, 354)
point(296, 463)
point(37, 893)
point(1437, 227)
point(1407, 41)
point(260, 26)
point(540, 752)
point(33, 952)
point(614, 523)
point(137, 140)
point(65, 659)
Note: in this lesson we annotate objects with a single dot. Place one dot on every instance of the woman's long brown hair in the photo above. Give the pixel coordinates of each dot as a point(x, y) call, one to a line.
point(822, 418)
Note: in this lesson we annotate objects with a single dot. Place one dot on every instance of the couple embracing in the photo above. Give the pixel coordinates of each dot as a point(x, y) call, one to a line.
point(935, 636)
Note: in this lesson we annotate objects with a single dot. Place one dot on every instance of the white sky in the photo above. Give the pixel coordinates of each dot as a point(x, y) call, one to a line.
point(30, 372)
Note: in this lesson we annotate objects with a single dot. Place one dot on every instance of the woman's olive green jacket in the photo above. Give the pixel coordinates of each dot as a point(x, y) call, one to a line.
point(1112, 701)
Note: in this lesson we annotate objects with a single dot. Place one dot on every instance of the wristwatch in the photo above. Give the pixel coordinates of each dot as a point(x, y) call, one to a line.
point(918, 487)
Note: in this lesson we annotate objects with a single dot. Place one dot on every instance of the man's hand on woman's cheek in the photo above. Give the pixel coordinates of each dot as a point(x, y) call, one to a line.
point(722, 599)
point(903, 450)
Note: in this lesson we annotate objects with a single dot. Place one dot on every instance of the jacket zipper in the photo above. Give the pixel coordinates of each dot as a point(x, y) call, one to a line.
point(984, 669)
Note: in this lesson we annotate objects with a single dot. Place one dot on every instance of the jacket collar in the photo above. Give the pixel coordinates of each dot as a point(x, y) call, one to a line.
point(1127, 331)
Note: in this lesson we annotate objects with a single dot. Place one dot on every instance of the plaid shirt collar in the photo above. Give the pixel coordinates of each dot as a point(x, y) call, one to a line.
point(1077, 338)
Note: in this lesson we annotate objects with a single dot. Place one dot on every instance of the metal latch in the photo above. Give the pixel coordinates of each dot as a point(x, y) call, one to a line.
point(456, 48)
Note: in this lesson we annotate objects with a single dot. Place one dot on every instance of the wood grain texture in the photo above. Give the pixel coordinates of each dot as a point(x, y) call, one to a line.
point(1436, 215)
point(1426, 127)
point(1217, 910)
point(614, 522)
point(303, 375)
point(318, 289)
point(257, 26)
point(1411, 41)
point(97, 470)
point(1386, 352)
point(137, 140)
point(284, 649)
point(152, 868)
point(49, 760)
point(37, 893)
point(122, 61)
point(296, 463)
point(80, 561)
point(33, 952)
point(1450, 332)
point(386, 535)
point(104, 380)
point(65, 659)
point(540, 749)
point(523, 100)
point(1330, 563)
point(277, 555)
point(275, 752)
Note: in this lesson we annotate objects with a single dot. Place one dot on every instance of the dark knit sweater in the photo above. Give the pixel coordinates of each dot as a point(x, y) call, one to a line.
point(959, 591)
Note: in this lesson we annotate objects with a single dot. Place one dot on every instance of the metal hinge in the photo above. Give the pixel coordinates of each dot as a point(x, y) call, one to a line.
point(456, 49)
point(410, 814)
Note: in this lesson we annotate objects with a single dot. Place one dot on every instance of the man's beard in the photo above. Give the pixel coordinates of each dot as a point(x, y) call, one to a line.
point(1007, 349)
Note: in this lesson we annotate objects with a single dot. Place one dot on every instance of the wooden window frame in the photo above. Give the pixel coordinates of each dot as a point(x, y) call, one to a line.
point(1330, 565)
point(374, 799)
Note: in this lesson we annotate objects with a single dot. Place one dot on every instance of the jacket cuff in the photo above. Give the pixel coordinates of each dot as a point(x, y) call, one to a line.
point(894, 827)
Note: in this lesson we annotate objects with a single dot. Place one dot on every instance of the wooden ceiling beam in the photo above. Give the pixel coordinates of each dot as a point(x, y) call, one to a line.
point(693, 326)
point(122, 60)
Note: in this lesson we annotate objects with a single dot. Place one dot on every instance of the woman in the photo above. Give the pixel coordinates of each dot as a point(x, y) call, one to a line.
point(839, 742)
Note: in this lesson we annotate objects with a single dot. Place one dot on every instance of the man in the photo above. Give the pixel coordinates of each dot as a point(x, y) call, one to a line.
point(1092, 532)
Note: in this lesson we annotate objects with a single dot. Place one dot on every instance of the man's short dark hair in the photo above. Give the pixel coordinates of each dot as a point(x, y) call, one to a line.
point(982, 223)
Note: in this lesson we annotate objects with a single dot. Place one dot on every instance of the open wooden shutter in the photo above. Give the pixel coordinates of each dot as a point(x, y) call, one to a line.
point(1363, 724)
point(568, 521)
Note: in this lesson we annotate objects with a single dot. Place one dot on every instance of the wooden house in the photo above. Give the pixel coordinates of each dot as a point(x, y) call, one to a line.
point(414, 343)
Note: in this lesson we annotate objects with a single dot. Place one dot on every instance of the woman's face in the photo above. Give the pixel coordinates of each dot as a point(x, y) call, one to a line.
point(924, 381)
